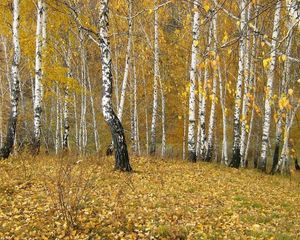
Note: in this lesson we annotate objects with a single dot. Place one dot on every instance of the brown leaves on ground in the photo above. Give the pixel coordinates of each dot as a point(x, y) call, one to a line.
point(71, 198)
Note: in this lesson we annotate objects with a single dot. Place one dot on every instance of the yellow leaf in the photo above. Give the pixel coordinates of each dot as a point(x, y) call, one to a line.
point(290, 92)
point(206, 7)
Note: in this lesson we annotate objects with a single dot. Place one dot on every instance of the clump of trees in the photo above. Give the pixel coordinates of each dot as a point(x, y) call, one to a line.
point(202, 76)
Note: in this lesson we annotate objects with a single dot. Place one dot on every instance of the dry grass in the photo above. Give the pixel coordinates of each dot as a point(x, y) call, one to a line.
point(71, 198)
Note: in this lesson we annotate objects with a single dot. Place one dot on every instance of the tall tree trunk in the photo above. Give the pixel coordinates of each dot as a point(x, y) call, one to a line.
point(283, 90)
point(184, 137)
point(57, 138)
point(262, 164)
point(211, 126)
point(204, 90)
point(198, 141)
point(38, 76)
point(117, 131)
point(236, 157)
point(7, 148)
point(193, 72)
point(95, 127)
point(8, 77)
point(127, 62)
point(224, 159)
point(66, 104)
point(247, 87)
point(155, 84)
point(76, 121)
point(284, 162)
point(135, 111)
point(163, 120)
point(146, 114)
point(83, 81)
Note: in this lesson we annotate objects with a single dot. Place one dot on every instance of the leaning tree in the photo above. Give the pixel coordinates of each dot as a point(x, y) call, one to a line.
point(116, 128)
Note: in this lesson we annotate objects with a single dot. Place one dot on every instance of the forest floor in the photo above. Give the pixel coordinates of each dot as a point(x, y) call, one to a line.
point(73, 198)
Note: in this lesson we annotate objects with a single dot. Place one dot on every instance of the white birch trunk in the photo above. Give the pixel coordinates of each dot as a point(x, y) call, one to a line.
point(95, 127)
point(76, 120)
point(184, 137)
point(283, 90)
point(155, 83)
point(65, 141)
point(284, 162)
point(198, 143)
point(262, 165)
point(247, 86)
point(211, 126)
point(193, 72)
point(38, 76)
point(146, 115)
point(163, 120)
point(57, 122)
point(8, 77)
point(7, 148)
point(224, 159)
point(236, 157)
point(204, 90)
point(135, 111)
point(127, 62)
point(117, 131)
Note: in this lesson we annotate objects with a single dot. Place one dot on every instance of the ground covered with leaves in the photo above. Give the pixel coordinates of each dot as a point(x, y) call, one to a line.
point(74, 198)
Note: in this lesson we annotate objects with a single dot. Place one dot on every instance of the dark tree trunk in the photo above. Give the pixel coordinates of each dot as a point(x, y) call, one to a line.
point(209, 154)
point(297, 167)
point(236, 158)
point(192, 157)
point(10, 137)
point(120, 146)
point(275, 158)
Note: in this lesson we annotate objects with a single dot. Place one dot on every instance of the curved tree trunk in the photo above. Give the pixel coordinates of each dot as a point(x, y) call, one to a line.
point(15, 88)
point(117, 131)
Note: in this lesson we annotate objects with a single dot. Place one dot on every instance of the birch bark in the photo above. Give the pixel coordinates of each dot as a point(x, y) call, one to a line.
point(37, 106)
point(7, 148)
point(117, 131)
point(211, 126)
point(262, 164)
point(155, 83)
point(193, 72)
point(127, 62)
point(202, 112)
point(236, 157)
point(283, 90)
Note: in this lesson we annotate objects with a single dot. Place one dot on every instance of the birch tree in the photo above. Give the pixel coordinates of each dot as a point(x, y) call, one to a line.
point(213, 95)
point(283, 91)
point(117, 131)
point(236, 157)
point(193, 72)
point(127, 62)
point(37, 106)
point(7, 148)
point(155, 83)
point(202, 103)
point(270, 69)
